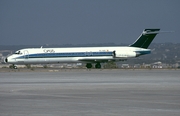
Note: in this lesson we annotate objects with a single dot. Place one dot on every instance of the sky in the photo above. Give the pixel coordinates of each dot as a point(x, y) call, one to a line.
point(39, 22)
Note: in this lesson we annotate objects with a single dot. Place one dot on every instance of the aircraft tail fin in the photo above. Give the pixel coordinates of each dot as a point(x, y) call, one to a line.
point(145, 39)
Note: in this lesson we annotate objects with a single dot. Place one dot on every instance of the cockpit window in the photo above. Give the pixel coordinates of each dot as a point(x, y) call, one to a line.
point(18, 52)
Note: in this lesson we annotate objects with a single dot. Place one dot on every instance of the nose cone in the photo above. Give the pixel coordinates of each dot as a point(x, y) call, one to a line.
point(9, 60)
point(6, 60)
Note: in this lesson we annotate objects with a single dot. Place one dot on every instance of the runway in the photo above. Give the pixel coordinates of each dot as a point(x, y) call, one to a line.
point(90, 93)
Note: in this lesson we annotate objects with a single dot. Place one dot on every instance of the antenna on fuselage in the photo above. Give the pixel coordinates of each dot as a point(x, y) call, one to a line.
point(41, 47)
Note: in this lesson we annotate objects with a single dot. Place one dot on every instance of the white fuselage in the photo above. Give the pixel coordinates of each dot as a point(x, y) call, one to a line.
point(76, 54)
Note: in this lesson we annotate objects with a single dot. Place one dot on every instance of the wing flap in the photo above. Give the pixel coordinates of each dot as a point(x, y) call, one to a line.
point(100, 60)
point(95, 60)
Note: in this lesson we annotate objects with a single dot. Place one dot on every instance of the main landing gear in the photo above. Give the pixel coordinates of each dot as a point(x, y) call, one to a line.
point(98, 65)
point(89, 65)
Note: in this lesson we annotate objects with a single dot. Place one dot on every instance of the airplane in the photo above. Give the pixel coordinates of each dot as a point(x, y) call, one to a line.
point(88, 55)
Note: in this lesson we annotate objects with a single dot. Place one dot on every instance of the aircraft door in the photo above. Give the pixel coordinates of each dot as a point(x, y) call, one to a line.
point(26, 54)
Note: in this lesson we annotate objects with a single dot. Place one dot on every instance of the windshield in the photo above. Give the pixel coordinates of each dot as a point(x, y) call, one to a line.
point(18, 52)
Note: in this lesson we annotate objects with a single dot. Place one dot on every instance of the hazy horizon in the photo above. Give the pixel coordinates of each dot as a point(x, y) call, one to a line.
point(41, 22)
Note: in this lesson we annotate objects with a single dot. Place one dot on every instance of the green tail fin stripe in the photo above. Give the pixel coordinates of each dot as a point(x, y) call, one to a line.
point(145, 38)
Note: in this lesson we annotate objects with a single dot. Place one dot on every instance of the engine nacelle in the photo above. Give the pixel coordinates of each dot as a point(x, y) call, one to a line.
point(122, 54)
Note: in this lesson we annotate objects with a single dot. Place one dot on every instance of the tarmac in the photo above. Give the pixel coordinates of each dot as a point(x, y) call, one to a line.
point(90, 93)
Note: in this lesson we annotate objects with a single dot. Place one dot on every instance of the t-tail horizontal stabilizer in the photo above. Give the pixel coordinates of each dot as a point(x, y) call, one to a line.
point(145, 38)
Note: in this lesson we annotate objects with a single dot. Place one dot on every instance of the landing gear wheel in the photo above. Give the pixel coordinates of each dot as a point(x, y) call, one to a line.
point(98, 65)
point(89, 65)
point(14, 66)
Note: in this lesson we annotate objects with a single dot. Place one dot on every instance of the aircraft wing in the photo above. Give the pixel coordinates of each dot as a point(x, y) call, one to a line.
point(102, 60)
point(94, 60)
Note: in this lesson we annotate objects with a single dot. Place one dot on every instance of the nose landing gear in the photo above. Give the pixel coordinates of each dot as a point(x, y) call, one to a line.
point(13, 66)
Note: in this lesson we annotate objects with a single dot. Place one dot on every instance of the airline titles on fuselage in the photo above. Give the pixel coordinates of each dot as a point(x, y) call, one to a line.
point(49, 51)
